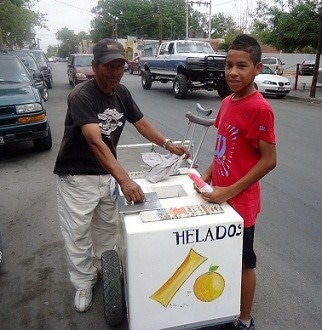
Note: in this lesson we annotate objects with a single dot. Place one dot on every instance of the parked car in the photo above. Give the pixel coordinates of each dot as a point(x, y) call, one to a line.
point(79, 68)
point(269, 83)
point(34, 68)
point(22, 109)
point(42, 61)
point(307, 67)
point(275, 64)
point(134, 66)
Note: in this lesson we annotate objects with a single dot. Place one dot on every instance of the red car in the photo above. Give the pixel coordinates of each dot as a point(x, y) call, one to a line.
point(79, 68)
point(134, 66)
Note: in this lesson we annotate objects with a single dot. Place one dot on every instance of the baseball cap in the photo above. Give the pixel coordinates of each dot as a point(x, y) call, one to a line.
point(107, 50)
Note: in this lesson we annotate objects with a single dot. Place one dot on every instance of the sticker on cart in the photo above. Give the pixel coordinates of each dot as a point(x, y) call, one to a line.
point(167, 291)
point(209, 286)
point(180, 212)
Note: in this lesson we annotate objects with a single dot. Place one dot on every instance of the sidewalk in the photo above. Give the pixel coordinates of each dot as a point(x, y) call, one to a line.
point(304, 94)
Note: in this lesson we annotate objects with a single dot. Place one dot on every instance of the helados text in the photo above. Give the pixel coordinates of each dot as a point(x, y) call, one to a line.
point(192, 236)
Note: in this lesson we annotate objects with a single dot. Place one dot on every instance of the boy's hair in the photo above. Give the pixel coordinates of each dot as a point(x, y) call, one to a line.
point(248, 44)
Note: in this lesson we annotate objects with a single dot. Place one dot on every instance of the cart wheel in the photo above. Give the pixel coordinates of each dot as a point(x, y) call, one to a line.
point(113, 293)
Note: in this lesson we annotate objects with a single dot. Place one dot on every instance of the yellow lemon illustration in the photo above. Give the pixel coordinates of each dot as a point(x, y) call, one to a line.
point(209, 286)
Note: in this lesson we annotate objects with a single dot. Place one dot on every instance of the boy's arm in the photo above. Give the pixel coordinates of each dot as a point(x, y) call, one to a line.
point(265, 164)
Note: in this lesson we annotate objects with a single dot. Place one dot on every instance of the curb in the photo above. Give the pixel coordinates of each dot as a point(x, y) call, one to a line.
point(314, 100)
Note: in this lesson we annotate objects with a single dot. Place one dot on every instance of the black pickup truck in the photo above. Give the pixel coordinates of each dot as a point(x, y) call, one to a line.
point(189, 65)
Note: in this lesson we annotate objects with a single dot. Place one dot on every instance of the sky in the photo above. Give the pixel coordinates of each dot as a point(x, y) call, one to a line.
point(76, 15)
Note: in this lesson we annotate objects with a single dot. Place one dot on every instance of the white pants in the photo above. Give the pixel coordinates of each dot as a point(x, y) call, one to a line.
point(89, 222)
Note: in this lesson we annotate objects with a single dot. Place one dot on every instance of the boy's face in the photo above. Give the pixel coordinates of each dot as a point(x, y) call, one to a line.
point(240, 72)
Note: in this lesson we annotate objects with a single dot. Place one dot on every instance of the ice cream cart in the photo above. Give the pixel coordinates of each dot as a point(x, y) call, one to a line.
point(178, 264)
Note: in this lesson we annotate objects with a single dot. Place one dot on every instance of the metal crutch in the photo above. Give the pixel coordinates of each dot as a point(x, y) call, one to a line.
point(195, 120)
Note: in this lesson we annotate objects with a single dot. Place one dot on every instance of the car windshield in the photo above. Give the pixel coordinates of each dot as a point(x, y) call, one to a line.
point(13, 71)
point(194, 47)
point(84, 60)
point(40, 56)
point(269, 60)
point(29, 62)
point(267, 70)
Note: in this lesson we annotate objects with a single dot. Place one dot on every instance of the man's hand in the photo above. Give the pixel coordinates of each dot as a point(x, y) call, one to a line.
point(178, 150)
point(132, 191)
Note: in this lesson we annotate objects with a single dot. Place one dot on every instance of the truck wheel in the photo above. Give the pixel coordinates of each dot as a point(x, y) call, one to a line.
point(180, 86)
point(113, 293)
point(224, 90)
point(146, 79)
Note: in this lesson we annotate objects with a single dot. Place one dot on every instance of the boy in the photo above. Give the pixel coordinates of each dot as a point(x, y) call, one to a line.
point(245, 152)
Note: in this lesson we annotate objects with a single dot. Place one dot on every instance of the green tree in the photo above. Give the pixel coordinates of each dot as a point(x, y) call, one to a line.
point(68, 42)
point(142, 18)
point(17, 22)
point(52, 51)
point(289, 25)
point(222, 25)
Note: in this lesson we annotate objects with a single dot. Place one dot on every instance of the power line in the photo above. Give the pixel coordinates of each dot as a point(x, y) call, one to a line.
point(67, 4)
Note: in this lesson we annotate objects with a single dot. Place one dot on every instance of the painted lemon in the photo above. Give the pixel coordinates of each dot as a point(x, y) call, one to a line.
point(209, 286)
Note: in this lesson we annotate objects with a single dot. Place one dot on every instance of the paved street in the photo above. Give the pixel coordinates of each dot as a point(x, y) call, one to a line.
point(35, 292)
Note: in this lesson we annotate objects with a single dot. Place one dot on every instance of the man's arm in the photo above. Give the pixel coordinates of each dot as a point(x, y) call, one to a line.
point(146, 129)
point(265, 164)
point(131, 190)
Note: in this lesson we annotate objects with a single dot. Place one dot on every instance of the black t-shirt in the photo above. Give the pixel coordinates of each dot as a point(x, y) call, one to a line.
point(88, 104)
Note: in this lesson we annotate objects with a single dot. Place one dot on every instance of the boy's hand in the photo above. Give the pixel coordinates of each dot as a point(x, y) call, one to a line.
point(219, 195)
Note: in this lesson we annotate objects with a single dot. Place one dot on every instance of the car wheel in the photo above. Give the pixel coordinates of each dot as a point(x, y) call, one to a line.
point(223, 90)
point(113, 290)
point(146, 80)
point(44, 93)
point(43, 143)
point(50, 82)
point(180, 86)
point(0, 249)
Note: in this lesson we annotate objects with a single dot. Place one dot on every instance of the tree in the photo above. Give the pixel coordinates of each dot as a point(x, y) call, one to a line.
point(222, 25)
point(69, 41)
point(142, 18)
point(17, 22)
point(289, 25)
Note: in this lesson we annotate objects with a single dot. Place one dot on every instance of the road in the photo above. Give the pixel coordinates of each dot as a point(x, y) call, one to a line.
point(35, 292)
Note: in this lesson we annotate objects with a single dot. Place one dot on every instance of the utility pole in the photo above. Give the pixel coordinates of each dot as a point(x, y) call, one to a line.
point(199, 3)
point(160, 22)
point(317, 61)
point(187, 19)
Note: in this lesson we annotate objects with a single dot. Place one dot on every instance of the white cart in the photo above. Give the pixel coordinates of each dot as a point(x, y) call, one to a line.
point(176, 268)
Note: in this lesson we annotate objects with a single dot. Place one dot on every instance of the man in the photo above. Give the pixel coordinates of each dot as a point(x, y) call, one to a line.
point(86, 166)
